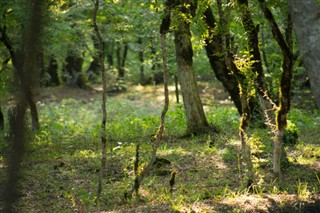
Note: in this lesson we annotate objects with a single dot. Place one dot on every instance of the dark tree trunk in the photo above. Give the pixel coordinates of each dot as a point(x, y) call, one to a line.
point(109, 48)
point(93, 69)
point(18, 61)
point(73, 69)
point(1, 120)
point(214, 51)
point(121, 59)
point(141, 59)
point(53, 72)
point(25, 63)
point(196, 119)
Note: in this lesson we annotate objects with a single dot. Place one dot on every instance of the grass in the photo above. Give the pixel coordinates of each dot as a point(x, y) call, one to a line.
point(61, 166)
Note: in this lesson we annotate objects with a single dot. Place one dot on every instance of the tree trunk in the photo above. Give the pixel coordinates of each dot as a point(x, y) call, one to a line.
point(243, 132)
point(109, 52)
point(1, 120)
point(104, 96)
point(121, 59)
point(25, 63)
point(285, 84)
point(53, 72)
point(141, 59)
point(277, 152)
point(73, 69)
point(214, 49)
point(196, 119)
point(306, 20)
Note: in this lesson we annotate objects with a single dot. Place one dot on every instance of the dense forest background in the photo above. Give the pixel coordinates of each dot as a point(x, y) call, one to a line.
point(160, 106)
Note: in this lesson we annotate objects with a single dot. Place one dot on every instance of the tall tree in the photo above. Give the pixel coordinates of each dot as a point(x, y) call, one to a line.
point(214, 49)
point(30, 42)
point(196, 119)
point(100, 43)
point(283, 108)
point(306, 19)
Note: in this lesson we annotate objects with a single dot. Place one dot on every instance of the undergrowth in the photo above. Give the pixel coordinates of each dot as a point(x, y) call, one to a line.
point(61, 166)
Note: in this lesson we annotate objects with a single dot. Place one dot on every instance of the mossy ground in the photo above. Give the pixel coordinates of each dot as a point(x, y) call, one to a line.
point(61, 166)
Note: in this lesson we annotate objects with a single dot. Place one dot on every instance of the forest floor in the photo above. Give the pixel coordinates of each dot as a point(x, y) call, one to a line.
point(61, 166)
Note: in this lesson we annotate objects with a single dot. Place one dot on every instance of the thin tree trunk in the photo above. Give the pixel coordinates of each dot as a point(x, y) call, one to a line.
point(109, 51)
point(141, 59)
point(1, 120)
point(104, 97)
point(176, 84)
point(159, 135)
point(121, 58)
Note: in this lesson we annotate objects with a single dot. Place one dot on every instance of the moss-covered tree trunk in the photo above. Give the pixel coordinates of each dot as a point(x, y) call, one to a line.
point(196, 119)
point(214, 51)
point(285, 44)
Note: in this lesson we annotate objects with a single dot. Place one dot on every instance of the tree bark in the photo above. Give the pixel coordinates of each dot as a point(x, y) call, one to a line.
point(214, 51)
point(306, 20)
point(285, 84)
point(196, 119)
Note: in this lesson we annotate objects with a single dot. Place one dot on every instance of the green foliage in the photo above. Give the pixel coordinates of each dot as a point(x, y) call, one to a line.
point(290, 136)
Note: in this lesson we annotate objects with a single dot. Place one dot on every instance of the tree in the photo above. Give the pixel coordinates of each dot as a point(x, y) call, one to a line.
point(306, 20)
point(184, 11)
point(283, 108)
point(25, 62)
point(18, 60)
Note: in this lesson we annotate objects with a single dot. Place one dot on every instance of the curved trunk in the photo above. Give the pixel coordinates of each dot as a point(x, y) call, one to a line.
point(285, 44)
point(214, 49)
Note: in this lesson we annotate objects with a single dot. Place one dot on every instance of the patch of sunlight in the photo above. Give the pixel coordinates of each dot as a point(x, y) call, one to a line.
point(247, 203)
point(304, 161)
point(87, 153)
point(180, 151)
point(43, 138)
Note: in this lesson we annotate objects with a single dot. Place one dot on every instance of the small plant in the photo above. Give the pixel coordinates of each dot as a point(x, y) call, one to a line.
point(302, 190)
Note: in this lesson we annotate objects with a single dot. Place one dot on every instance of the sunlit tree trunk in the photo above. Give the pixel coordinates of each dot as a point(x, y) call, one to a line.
point(285, 44)
point(196, 119)
point(306, 20)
